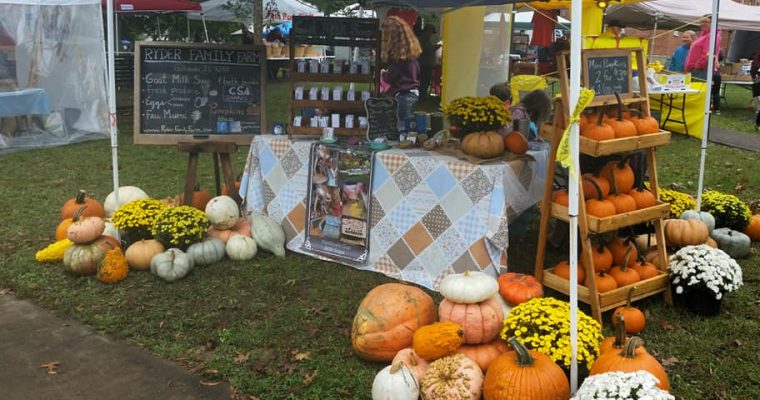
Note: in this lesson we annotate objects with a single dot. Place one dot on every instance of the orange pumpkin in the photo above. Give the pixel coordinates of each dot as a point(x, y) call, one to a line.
point(562, 269)
point(199, 200)
point(226, 191)
point(617, 341)
point(71, 206)
point(604, 282)
point(481, 322)
point(517, 288)
point(620, 247)
point(485, 353)
point(753, 228)
point(387, 318)
point(635, 321)
point(63, 226)
point(602, 258)
point(644, 125)
point(242, 227)
point(643, 198)
point(483, 144)
point(414, 362)
point(599, 130)
point(622, 173)
point(516, 143)
point(623, 128)
point(560, 197)
point(525, 374)
point(632, 358)
point(598, 206)
point(589, 191)
point(645, 268)
point(623, 202)
point(624, 275)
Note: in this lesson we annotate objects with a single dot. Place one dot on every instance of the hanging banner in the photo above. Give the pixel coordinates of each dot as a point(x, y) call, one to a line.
point(337, 220)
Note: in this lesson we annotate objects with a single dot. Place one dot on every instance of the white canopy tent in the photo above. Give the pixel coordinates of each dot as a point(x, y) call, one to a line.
point(60, 60)
point(354, 11)
point(274, 11)
point(675, 13)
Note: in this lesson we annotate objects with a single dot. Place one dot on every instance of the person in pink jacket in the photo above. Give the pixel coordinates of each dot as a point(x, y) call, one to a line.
point(699, 53)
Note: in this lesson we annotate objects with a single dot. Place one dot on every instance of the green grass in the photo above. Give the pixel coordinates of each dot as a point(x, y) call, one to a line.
point(737, 112)
point(280, 328)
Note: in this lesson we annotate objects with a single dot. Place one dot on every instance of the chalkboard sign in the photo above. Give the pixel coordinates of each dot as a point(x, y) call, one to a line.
point(382, 117)
point(334, 30)
point(607, 72)
point(188, 92)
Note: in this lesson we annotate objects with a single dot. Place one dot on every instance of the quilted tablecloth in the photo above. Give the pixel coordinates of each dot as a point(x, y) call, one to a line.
point(431, 214)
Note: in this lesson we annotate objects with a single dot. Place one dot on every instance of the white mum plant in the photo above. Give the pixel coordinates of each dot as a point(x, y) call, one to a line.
point(695, 266)
point(640, 385)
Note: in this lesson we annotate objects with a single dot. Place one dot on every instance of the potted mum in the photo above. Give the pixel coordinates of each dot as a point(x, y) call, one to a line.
point(543, 324)
point(702, 275)
point(476, 120)
point(621, 386)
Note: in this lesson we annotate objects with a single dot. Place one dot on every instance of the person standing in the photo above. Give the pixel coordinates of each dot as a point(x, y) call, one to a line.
point(400, 50)
point(755, 73)
point(427, 59)
point(678, 60)
point(698, 57)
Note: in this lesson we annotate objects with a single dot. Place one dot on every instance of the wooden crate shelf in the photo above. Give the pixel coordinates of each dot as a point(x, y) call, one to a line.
point(608, 224)
point(613, 298)
point(606, 147)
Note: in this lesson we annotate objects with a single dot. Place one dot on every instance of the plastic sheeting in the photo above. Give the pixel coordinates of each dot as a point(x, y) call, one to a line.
point(60, 52)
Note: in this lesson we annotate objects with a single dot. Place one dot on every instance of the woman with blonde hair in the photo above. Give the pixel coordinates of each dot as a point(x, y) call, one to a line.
point(400, 50)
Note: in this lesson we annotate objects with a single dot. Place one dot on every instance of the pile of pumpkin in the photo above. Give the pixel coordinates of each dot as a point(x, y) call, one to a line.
point(461, 356)
point(491, 144)
point(89, 244)
point(606, 125)
point(616, 264)
point(613, 190)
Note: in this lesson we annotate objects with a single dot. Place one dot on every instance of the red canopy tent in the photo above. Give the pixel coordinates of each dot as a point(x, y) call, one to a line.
point(154, 6)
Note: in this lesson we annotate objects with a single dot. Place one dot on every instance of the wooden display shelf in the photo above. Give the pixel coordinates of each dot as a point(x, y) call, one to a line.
point(627, 101)
point(307, 130)
point(608, 224)
point(330, 105)
point(331, 77)
point(613, 298)
point(606, 147)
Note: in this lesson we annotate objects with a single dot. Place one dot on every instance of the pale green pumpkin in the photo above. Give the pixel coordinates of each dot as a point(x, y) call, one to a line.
point(734, 243)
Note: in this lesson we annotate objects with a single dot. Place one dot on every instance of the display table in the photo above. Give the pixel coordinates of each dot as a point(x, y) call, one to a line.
point(670, 101)
point(24, 102)
point(431, 214)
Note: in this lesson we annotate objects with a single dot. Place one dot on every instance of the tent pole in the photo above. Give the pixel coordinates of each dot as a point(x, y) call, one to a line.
point(657, 16)
point(205, 29)
point(511, 11)
point(112, 100)
point(575, 91)
point(706, 123)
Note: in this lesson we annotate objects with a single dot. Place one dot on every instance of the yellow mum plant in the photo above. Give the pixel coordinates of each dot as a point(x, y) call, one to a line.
point(679, 202)
point(543, 324)
point(135, 219)
point(180, 226)
point(476, 114)
point(728, 210)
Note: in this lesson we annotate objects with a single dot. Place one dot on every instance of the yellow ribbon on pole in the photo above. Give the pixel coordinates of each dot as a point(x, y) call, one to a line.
point(564, 156)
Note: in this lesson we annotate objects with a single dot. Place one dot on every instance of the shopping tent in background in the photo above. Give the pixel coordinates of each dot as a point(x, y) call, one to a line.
point(153, 6)
point(275, 11)
point(523, 20)
point(354, 11)
point(60, 70)
point(672, 14)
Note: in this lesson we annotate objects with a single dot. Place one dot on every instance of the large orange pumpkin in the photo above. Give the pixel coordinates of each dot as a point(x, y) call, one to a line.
point(753, 228)
point(685, 232)
point(632, 358)
point(483, 144)
point(517, 288)
point(387, 318)
point(525, 374)
point(71, 206)
point(485, 353)
point(481, 322)
point(617, 341)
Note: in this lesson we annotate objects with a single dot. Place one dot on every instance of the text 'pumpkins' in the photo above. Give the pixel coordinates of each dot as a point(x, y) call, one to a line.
point(387, 318)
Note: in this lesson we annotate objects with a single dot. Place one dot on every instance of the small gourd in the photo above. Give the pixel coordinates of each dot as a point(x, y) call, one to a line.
point(268, 234)
point(171, 265)
point(53, 252)
point(222, 212)
point(241, 248)
point(437, 340)
point(114, 267)
point(85, 230)
point(207, 252)
point(734, 243)
point(415, 363)
point(395, 382)
point(469, 287)
point(140, 254)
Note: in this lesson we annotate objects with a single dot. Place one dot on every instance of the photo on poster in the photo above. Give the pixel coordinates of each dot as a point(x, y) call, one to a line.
point(339, 202)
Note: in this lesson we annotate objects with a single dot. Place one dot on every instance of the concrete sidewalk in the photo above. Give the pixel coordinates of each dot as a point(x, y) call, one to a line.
point(90, 366)
point(741, 140)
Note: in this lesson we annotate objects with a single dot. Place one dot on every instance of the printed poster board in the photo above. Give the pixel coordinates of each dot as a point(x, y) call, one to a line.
point(337, 218)
point(191, 92)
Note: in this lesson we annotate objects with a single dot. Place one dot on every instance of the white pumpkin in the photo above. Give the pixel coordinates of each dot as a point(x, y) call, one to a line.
point(395, 382)
point(703, 216)
point(241, 248)
point(207, 252)
point(469, 287)
point(268, 234)
point(171, 265)
point(222, 212)
point(126, 194)
point(111, 231)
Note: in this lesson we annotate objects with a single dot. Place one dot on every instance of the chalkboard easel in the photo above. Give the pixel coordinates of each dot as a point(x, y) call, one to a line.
point(221, 154)
point(608, 71)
